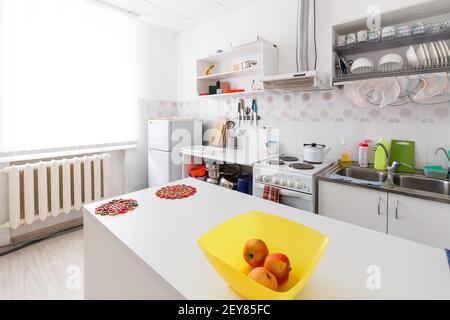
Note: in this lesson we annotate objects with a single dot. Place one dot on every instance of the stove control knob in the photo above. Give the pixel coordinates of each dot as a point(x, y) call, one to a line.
point(266, 178)
point(276, 181)
point(298, 185)
point(307, 189)
point(259, 178)
point(291, 184)
point(283, 182)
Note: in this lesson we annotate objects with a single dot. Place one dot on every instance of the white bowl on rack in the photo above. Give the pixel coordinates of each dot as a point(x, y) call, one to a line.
point(390, 62)
point(362, 65)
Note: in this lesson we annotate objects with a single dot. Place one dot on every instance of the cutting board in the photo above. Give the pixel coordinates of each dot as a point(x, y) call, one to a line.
point(403, 151)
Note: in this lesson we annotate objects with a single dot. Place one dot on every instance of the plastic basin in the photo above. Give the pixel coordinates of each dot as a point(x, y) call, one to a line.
point(223, 247)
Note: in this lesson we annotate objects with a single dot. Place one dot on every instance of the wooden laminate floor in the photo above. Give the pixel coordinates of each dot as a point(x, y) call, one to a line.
point(49, 270)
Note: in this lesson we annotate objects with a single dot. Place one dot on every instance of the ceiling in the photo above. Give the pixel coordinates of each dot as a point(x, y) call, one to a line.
point(178, 15)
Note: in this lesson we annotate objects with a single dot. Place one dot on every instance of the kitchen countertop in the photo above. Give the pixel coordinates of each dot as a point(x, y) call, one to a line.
point(388, 187)
point(163, 235)
point(245, 157)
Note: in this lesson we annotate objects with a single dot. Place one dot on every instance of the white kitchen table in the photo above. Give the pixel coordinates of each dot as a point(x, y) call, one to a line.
point(152, 253)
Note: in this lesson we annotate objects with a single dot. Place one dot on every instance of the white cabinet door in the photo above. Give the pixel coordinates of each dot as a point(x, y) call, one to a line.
point(363, 207)
point(419, 220)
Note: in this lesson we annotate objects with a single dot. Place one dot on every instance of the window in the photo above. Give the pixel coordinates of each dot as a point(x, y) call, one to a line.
point(67, 74)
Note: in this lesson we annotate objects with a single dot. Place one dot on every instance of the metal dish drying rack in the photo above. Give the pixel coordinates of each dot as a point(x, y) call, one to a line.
point(343, 78)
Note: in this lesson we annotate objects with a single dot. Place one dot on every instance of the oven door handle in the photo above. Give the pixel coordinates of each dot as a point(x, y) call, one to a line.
point(287, 193)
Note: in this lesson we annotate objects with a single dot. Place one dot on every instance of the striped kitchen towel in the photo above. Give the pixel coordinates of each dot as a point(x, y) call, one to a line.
point(448, 256)
point(271, 194)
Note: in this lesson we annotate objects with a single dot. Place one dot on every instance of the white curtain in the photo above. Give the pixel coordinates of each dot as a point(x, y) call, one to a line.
point(67, 75)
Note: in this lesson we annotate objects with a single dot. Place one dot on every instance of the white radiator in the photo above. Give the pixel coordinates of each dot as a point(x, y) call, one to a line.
point(46, 189)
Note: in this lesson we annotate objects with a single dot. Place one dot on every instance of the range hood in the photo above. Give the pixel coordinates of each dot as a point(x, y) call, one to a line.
point(309, 80)
point(299, 81)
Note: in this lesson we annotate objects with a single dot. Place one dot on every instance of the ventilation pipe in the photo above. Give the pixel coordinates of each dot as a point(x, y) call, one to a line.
point(303, 35)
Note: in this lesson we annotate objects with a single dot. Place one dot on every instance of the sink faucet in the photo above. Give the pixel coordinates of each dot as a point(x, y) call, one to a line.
point(444, 151)
point(391, 169)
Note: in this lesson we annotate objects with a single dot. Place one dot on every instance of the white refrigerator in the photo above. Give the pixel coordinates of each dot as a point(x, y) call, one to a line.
point(165, 139)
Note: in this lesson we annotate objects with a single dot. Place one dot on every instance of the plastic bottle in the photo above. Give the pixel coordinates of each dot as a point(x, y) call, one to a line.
point(364, 154)
point(380, 155)
point(346, 159)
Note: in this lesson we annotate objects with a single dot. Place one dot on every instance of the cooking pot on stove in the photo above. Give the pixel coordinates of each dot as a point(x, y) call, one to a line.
point(315, 153)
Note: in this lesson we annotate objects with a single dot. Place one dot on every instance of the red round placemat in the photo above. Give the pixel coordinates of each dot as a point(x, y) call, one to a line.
point(176, 192)
point(118, 206)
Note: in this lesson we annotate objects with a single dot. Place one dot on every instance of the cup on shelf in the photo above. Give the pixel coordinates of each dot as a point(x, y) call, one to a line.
point(374, 34)
point(341, 41)
point(362, 36)
point(433, 27)
point(388, 32)
point(404, 31)
point(351, 38)
point(418, 28)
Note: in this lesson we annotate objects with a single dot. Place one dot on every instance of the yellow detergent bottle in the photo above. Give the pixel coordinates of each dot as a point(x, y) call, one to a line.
point(346, 159)
point(380, 155)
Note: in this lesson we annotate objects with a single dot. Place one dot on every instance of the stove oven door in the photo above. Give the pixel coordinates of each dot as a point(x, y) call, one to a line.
point(290, 198)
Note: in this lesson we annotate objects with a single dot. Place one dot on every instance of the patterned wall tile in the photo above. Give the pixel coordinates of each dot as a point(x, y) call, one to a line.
point(329, 117)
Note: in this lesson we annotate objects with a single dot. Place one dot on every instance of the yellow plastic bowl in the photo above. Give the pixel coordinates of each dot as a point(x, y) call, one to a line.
point(224, 245)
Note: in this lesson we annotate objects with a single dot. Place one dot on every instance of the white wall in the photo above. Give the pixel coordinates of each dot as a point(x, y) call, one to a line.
point(156, 81)
point(275, 21)
point(305, 118)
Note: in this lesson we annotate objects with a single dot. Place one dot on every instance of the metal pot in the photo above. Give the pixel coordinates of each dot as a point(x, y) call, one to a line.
point(213, 171)
point(227, 184)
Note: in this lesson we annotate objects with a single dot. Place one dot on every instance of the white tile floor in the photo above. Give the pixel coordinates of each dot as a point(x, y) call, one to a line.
point(49, 270)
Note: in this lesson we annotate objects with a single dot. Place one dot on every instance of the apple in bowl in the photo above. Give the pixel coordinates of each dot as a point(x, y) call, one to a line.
point(255, 253)
point(264, 277)
point(279, 265)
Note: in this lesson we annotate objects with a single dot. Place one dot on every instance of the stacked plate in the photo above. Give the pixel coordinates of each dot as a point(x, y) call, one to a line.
point(427, 55)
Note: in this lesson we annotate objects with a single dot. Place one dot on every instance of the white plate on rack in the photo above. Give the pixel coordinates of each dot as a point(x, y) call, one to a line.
point(441, 53)
point(447, 50)
point(412, 58)
point(421, 56)
point(427, 55)
point(434, 56)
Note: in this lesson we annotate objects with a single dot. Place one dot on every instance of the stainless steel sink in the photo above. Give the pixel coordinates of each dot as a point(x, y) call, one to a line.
point(368, 174)
point(423, 184)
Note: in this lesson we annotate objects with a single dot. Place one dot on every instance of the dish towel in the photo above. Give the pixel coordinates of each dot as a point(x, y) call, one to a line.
point(271, 194)
point(355, 181)
point(448, 256)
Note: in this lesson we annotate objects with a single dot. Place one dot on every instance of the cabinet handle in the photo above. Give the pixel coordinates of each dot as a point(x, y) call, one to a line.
point(396, 209)
point(379, 205)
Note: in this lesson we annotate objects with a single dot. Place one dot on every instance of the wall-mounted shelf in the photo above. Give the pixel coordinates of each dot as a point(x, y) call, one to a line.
point(240, 94)
point(262, 51)
point(231, 74)
point(434, 34)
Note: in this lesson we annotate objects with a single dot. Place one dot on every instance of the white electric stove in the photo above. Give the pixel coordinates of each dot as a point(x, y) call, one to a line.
point(295, 178)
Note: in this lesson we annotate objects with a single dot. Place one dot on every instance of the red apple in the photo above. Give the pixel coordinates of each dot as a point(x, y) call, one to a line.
point(264, 277)
point(278, 264)
point(255, 252)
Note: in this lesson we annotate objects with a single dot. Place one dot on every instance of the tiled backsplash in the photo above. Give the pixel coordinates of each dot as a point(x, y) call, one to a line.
point(329, 118)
